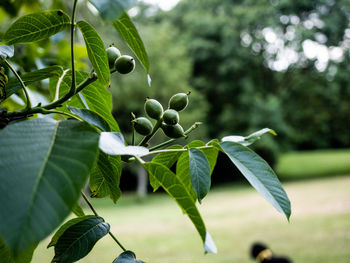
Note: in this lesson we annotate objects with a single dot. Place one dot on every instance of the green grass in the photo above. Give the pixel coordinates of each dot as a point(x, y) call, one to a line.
point(307, 164)
point(158, 232)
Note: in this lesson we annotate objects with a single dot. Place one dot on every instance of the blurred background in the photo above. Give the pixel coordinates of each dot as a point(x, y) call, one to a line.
point(281, 64)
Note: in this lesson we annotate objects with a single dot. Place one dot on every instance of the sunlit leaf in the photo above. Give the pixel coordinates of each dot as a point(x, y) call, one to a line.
point(6, 52)
point(97, 97)
point(37, 26)
point(112, 143)
point(250, 139)
point(13, 85)
point(96, 52)
point(129, 33)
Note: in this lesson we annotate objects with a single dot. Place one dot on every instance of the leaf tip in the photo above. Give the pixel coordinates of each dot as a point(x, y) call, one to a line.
point(209, 245)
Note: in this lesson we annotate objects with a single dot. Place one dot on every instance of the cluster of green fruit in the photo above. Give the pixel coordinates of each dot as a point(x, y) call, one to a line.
point(168, 119)
point(124, 64)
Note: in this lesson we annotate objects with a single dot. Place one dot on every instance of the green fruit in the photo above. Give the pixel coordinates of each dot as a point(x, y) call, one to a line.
point(178, 101)
point(153, 109)
point(171, 117)
point(124, 64)
point(112, 53)
point(143, 126)
point(173, 131)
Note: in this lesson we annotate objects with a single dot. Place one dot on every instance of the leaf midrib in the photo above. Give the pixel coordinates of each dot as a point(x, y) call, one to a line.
point(39, 178)
point(258, 179)
point(37, 32)
point(80, 237)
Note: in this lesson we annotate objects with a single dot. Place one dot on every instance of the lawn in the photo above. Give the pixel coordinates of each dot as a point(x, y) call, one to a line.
point(158, 232)
point(319, 163)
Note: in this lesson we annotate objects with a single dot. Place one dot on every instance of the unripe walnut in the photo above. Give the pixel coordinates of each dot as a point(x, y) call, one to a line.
point(153, 109)
point(124, 64)
point(171, 117)
point(178, 101)
point(173, 131)
point(112, 53)
point(143, 126)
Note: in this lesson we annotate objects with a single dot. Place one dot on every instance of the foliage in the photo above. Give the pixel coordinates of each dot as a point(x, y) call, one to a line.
point(262, 67)
point(45, 162)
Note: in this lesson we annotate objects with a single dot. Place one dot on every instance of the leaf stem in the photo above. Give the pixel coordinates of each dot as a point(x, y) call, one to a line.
point(89, 204)
point(28, 102)
point(62, 113)
point(72, 88)
point(57, 103)
point(193, 127)
point(176, 150)
point(96, 214)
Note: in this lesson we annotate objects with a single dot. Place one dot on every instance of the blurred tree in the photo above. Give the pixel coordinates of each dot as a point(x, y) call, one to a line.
point(289, 57)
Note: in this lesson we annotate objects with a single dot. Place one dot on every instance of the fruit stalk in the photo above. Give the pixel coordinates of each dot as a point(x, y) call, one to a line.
point(148, 137)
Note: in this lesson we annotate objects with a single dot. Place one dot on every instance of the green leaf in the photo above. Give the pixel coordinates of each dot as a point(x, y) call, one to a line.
point(127, 257)
point(37, 26)
point(168, 159)
point(90, 117)
point(111, 10)
point(183, 168)
point(97, 97)
point(50, 72)
point(65, 226)
point(129, 33)
point(96, 52)
point(77, 210)
point(179, 192)
point(79, 239)
point(259, 174)
point(105, 177)
point(200, 173)
point(6, 255)
point(112, 143)
point(211, 154)
point(250, 139)
point(6, 52)
point(49, 163)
